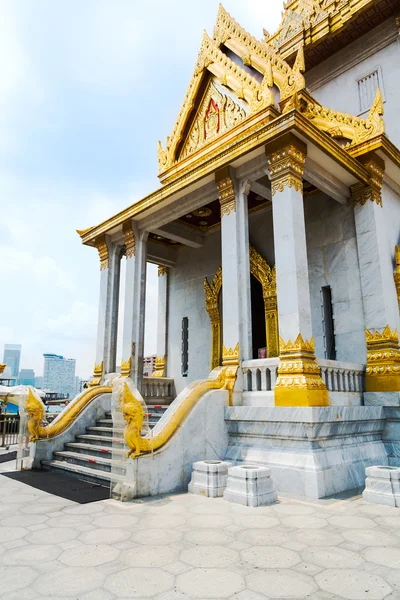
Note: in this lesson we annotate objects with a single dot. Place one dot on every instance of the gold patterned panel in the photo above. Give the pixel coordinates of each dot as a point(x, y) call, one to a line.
point(383, 361)
point(396, 275)
point(130, 241)
point(162, 270)
point(226, 191)
point(160, 370)
point(102, 249)
point(212, 291)
point(363, 193)
point(286, 157)
point(299, 381)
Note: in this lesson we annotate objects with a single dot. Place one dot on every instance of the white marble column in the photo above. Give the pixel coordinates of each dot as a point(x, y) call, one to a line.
point(134, 309)
point(299, 382)
point(236, 300)
point(162, 315)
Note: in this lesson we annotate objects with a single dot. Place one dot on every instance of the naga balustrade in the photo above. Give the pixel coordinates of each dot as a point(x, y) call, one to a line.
point(260, 375)
point(158, 387)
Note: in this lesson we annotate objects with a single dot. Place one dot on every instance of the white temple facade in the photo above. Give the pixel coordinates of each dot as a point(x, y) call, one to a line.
point(275, 230)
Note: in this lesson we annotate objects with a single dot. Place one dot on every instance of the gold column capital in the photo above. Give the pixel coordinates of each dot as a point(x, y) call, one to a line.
point(362, 192)
point(226, 191)
point(125, 370)
point(162, 270)
point(130, 240)
point(160, 367)
point(102, 249)
point(97, 375)
point(299, 381)
point(286, 157)
point(383, 361)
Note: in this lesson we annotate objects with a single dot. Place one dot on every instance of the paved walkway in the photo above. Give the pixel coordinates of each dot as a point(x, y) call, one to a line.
point(182, 547)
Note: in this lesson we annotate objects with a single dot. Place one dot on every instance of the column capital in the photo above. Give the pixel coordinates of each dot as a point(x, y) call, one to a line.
point(362, 192)
point(245, 186)
point(162, 270)
point(130, 240)
point(286, 157)
point(102, 248)
point(226, 190)
point(383, 361)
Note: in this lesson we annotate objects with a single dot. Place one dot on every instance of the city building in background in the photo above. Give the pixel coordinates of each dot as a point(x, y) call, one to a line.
point(11, 357)
point(149, 365)
point(26, 377)
point(59, 374)
point(39, 382)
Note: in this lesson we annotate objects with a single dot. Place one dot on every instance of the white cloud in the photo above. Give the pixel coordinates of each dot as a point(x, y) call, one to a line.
point(78, 324)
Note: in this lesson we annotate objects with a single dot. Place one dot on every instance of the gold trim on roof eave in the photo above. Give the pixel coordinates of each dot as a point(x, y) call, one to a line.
point(249, 135)
point(380, 142)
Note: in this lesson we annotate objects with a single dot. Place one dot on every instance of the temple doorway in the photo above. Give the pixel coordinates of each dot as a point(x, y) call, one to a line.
point(257, 317)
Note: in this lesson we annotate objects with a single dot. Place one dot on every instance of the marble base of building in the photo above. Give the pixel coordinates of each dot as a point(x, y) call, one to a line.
point(390, 401)
point(209, 478)
point(382, 485)
point(314, 452)
point(250, 485)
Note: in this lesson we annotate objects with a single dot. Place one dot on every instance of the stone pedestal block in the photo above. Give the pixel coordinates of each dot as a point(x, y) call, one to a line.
point(391, 433)
point(382, 485)
point(250, 485)
point(209, 478)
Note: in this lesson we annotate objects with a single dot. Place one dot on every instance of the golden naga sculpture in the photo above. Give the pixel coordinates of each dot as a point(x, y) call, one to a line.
point(36, 412)
point(383, 361)
point(140, 445)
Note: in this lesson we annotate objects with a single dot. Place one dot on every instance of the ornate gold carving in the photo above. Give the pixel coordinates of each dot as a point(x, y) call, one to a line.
point(130, 242)
point(266, 275)
point(230, 360)
point(97, 375)
point(360, 191)
point(82, 232)
point(217, 114)
point(226, 192)
point(2, 367)
point(212, 291)
point(162, 270)
point(299, 382)
point(160, 367)
point(383, 361)
point(102, 249)
point(341, 125)
point(126, 367)
point(133, 413)
point(396, 275)
point(70, 413)
point(286, 158)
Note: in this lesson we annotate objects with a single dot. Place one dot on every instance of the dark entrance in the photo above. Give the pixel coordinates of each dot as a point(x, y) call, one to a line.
point(257, 316)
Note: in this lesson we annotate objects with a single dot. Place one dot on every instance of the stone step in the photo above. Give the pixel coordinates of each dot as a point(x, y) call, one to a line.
point(95, 449)
point(80, 472)
point(99, 439)
point(107, 430)
point(95, 462)
point(165, 400)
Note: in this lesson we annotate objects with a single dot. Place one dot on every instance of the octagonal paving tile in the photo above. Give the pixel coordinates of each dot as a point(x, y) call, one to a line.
point(370, 537)
point(248, 595)
point(64, 520)
point(380, 555)
point(304, 522)
point(23, 520)
point(20, 498)
point(378, 510)
point(54, 535)
point(209, 556)
point(331, 557)
point(270, 557)
point(139, 583)
point(389, 522)
point(69, 581)
point(115, 521)
point(149, 556)
point(292, 509)
point(209, 521)
point(256, 521)
point(264, 537)
point(209, 536)
point(282, 583)
point(353, 585)
point(210, 583)
point(7, 534)
point(160, 522)
point(14, 578)
point(30, 555)
point(91, 508)
point(104, 536)
point(352, 522)
point(89, 556)
point(156, 537)
point(316, 537)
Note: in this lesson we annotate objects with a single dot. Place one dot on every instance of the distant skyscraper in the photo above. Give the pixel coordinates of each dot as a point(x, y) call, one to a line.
point(11, 357)
point(39, 382)
point(26, 377)
point(59, 374)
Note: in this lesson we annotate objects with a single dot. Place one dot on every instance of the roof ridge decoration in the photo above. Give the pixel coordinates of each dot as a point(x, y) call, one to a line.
point(299, 15)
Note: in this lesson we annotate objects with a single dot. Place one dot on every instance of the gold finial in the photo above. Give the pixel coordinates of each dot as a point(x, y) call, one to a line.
point(82, 232)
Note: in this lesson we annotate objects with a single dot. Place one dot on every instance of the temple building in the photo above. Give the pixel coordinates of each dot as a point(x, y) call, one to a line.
point(275, 228)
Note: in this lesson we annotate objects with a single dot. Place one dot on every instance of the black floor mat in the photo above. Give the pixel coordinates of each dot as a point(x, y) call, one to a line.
point(61, 485)
point(9, 456)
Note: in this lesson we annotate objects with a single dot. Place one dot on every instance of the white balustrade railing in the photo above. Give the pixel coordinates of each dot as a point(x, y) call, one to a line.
point(259, 375)
point(158, 387)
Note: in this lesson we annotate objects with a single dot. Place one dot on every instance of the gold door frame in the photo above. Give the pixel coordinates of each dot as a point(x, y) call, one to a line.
point(266, 275)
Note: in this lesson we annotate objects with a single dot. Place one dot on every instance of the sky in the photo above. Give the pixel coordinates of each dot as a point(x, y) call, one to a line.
point(87, 88)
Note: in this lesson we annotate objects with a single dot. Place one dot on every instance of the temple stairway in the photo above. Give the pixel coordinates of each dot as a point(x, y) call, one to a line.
point(92, 455)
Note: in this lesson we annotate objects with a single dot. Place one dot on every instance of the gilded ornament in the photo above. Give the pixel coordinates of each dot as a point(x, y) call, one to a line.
point(383, 361)
point(362, 192)
point(162, 270)
point(97, 375)
point(36, 412)
point(130, 242)
point(212, 291)
point(286, 158)
point(160, 367)
point(82, 232)
point(396, 275)
point(226, 192)
point(126, 367)
point(133, 413)
point(299, 381)
point(230, 360)
point(102, 249)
